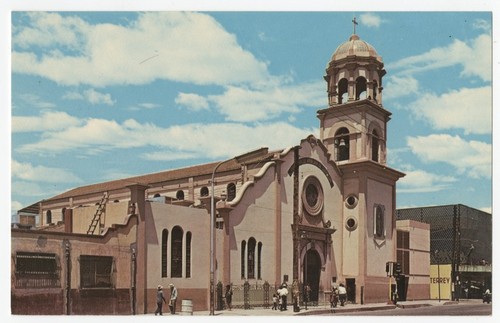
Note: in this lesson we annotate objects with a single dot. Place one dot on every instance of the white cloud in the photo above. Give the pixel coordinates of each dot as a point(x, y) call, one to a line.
point(472, 158)
point(47, 121)
point(28, 172)
point(144, 105)
point(147, 105)
point(242, 104)
point(92, 96)
point(195, 140)
point(152, 47)
point(192, 101)
point(475, 58)
point(468, 109)
point(169, 155)
point(31, 189)
point(15, 205)
point(398, 86)
point(370, 20)
point(49, 29)
point(36, 101)
point(95, 97)
point(73, 96)
point(420, 181)
point(481, 24)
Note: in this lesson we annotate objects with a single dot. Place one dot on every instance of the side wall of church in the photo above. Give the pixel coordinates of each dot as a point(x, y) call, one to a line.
point(254, 216)
point(194, 286)
point(379, 250)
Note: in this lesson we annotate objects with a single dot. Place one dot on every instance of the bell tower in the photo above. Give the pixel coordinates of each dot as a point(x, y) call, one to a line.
point(353, 127)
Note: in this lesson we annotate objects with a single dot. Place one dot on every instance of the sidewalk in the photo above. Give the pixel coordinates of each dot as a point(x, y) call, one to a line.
point(325, 309)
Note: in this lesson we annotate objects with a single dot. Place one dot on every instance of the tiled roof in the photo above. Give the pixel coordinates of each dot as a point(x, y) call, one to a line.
point(164, 176)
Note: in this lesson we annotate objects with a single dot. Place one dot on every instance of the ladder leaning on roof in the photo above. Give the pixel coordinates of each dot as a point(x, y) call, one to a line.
point(97, 216)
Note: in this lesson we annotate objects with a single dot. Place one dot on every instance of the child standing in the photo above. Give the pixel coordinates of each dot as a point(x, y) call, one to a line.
point(275, 302)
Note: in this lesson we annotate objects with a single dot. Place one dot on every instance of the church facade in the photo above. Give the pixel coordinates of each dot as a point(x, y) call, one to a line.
point(318, 213)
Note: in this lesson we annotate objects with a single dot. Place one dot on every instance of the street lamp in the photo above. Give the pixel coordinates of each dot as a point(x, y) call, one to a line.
point(439, 275)
point(306, 278)
point(212, 239)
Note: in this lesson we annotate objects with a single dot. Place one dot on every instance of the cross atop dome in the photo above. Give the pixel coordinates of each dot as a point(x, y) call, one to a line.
point(354, 24)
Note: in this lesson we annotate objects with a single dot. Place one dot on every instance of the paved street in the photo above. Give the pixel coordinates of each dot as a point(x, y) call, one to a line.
point(463, 309)
point(410, 308)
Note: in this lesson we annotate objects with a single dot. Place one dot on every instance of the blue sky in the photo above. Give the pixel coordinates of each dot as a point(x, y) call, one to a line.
point(97, 96)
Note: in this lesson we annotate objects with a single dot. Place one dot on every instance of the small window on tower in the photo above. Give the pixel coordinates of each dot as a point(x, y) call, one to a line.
point(375, 145)
point(379, 222)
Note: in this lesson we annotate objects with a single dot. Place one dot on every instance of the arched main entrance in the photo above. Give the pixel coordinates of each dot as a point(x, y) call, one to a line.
point(311, 269)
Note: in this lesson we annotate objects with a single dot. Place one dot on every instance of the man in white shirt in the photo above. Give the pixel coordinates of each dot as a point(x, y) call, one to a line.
point(342, 294)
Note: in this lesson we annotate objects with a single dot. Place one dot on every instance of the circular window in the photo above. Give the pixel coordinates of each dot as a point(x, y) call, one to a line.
point(351, 224)
point(312, 196)
point(351, 201)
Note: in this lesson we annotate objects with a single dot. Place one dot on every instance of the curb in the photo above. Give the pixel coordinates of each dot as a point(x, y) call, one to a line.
point(347, 310)
point(412, 305)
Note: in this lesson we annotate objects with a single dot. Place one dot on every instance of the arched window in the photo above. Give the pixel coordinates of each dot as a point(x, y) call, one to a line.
point(49, 216)
point(378, 222)
point(251, 258)
point(231, 191)
point(342, 91)
point(179, 195)
point(360, 88)
point(375, 90)
point(375, 145)
point(164, 253)
point(204, 191)
point(188, 254)
point(176, 252)
point(259, 260)
point(243, 252)
point(342, 144)
point(157, 195)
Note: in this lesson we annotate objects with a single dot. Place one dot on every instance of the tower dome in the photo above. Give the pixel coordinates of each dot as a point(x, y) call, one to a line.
point(354, 72)
point(355, 47)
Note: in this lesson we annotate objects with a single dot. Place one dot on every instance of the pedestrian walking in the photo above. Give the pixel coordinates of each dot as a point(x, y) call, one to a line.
point(334, 297)
point(229, 297)
point(342, 294)
point(173, 298)
point(160, 299)
point(284, 289)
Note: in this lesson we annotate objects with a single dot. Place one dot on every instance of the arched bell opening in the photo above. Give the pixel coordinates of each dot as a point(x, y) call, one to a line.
point(341, 142)
point(361, 88)
point(342, 91)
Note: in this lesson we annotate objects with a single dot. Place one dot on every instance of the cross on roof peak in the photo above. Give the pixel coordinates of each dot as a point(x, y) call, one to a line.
point(354, 23)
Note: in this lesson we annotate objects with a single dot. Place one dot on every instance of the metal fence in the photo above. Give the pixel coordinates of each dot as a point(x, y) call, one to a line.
point(459, 234)
point(260, 294)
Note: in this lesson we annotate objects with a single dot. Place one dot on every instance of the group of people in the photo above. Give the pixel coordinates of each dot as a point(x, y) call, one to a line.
point(280, 298)
point(160, 299)
point(339, 294)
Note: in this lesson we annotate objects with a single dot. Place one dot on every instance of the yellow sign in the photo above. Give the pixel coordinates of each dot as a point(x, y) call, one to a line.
point(440, 282)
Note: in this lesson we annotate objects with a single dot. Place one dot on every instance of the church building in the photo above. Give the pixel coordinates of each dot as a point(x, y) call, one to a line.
point(319, 213)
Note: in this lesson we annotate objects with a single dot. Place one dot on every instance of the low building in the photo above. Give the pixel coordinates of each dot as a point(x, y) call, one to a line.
point(413, 253)
point(461, 246)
